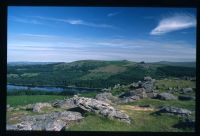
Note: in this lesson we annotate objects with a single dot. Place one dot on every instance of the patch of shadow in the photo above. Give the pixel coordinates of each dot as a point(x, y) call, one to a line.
point(156, 113)
point(77, 109)
point(185, 124)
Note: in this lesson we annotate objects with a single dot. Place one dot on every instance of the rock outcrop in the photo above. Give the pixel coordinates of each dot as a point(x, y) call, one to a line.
point(128, 99)
point(140, 90)
point(54, 121)
point(174, 110)
point(106, 97)
point(102, 108)
point(186, 90)
point(166, 96)
point(64, 104)
point(38, 106)
point(148, 84)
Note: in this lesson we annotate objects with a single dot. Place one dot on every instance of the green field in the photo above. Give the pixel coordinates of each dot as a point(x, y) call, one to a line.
point(142, 121)
point(106, 74)
point(94, 73)
point(30, 99)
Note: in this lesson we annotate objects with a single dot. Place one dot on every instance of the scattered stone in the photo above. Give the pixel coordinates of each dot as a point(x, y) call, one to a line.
point(133, 85)
point(10, 109)
point(38, 106)
point(148, 84)
point(139, 84)
point(102, 108)
point(27, 107)
point(116, 86)
point(152, 95)
point(129, 99)
point(147, 78)
point(186, 90)
point(64, 104)
point(166, 96)
point(54, 121)
point(174, 110)
point(106, 97)
point(106, 90)
point(140, 92)
point(8, 106)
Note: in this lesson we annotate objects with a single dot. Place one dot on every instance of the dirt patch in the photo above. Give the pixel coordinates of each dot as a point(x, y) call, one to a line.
point(137, 108)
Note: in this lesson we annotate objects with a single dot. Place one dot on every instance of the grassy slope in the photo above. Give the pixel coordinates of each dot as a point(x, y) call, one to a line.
point(93, 73)
point(141, 121)
point(25, 99)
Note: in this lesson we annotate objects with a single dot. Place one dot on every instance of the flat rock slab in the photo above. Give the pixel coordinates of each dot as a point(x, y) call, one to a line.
point(64, 104)
point(106, 97)
point(166, 96)
point(55, 121)
point(102, 108)
point(174, 110)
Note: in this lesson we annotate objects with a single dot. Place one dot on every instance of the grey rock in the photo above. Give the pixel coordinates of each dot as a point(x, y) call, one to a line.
point(140, 92)
point(175, 110)
point(186, 90)
point(64, 104)
point(106, 90)
point(106, 97)
point(166, 96)
point(102, 108)
point(152, 95)
point(38, 106)
point(11, 127)
point(7, 106)
point(26, 107)
point(148, 84)
point(54, 121)
point(148, 78)
point(128, 99)
point(139, 83)
point(116, 86)
point(135, 85)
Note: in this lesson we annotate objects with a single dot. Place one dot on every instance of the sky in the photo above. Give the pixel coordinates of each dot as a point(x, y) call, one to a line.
point(66, 34)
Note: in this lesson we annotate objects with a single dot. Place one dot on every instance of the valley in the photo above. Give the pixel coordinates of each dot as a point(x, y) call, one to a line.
point(121, 96)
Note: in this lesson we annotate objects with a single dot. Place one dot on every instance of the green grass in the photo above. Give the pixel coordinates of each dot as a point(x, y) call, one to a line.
point(88, 94)
point(156, 103)
point(163, 85)
point(25, 99)
point(141, 122)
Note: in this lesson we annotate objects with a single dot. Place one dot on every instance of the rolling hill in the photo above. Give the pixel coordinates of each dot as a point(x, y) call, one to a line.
point(95, 73)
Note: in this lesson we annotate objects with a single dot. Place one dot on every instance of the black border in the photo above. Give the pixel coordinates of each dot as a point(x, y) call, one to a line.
point(94, 3)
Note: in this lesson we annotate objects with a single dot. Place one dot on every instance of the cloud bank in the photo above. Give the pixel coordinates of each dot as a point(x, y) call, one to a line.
point(38, 47)
point(174, 23)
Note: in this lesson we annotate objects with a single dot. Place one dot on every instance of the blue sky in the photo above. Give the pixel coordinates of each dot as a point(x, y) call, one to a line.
point(66, 34)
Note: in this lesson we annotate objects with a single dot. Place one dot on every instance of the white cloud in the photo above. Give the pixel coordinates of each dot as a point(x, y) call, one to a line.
point(38, 35)
point(25, 20)
point(112, 14)
point(32, 47)
point(174, 23)
point(82, 22)
point(77, 22)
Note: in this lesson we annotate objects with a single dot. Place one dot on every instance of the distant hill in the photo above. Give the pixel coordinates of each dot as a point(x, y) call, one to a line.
point(21, 63)
point(184, 64)
point(94, 73)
